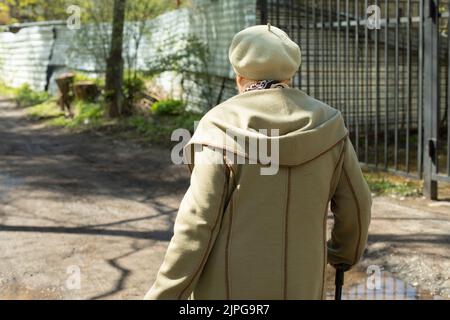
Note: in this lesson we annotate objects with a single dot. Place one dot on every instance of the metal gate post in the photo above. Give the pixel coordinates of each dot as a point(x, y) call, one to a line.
point(430, 96)
point(262, 4)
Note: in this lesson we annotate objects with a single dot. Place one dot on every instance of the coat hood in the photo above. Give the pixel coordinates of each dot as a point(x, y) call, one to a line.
point(306, 127)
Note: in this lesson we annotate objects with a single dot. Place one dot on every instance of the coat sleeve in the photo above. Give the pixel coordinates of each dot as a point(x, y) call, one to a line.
point(195, 230)
point(351, 205)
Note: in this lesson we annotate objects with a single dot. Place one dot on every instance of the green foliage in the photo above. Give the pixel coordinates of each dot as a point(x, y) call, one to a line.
point(158, 129)
point(26, 97)
point(94, 37)
point(189, 58)
point(7, 91)
point(168, 107)
point(155, 129)
point(384, 184)
point(60, 122)
point(141, 124)
point(47, 109)
point(12, 11)
point(187, 120)
point(133, 85)
point(86, 114)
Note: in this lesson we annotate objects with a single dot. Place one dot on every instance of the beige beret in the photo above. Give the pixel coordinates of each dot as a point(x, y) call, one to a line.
point(264, 52)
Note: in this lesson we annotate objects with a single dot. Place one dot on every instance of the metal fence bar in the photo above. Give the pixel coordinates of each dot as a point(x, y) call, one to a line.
point(440, 177)
point(448, 91)
point(408, 84)
point(338, 57)
point(315, 87)
point(396, 93)
point(402, 20)
point(431, 96)
point(357, 78)
point(347, 62)
point(322, 51)
point(436, 129)
point(328, 52)
point(316, 70)
point(307, 46)
point(366, 87)
point(420, 92)
point(263, 7)
point(377, 91)
point(386, 80)
point(277, 6)
point(291, 29)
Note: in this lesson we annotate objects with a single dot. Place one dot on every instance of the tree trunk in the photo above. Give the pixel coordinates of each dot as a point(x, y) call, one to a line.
point(114, 65)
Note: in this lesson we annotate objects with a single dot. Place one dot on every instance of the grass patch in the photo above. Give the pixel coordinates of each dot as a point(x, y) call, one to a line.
point(153, 129)
point(382, 183)
point(168, 107)
point(85, 114)
point(26, 97)
point(45, 110)
point(158, 129)
point(6, 91)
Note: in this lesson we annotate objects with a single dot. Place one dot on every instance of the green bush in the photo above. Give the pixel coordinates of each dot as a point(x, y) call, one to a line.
point(187, 120)
point(168, 107)
point(27, 97)
point(7, 91)
point(132, 86)
point(87, 113)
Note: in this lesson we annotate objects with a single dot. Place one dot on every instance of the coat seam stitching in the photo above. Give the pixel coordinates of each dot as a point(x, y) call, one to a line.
point(227, 269)
point(342, 152)
point(324, 152)
point(230, 167)
point(286, 220)
point(209, 242)
point(288, 166)
point(227, 253)
point(358, 210)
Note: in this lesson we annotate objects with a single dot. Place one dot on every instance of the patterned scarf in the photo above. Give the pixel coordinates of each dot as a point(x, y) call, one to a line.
point(266, 84)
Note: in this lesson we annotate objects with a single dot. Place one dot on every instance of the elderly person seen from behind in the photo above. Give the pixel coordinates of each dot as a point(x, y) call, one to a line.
point(241, 234)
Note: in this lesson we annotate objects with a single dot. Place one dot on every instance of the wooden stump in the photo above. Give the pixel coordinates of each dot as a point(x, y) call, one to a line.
point(85, 90)
point(65, 83)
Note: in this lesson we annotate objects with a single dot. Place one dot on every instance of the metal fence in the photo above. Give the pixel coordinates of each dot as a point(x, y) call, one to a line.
point(390, 80)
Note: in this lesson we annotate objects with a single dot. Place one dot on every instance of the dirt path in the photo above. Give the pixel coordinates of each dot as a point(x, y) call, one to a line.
point(78, 200)
point(83, 203)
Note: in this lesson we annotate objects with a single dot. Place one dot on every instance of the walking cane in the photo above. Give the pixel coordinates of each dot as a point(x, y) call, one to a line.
point(339, 280)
